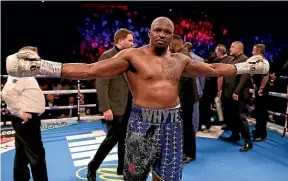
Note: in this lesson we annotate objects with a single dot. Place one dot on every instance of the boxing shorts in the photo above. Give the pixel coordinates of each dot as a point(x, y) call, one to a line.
point(154, 142)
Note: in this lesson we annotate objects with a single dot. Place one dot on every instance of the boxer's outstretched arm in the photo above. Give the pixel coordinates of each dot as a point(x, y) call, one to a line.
point(107, 68)
point(254, 65)
point(197, 69)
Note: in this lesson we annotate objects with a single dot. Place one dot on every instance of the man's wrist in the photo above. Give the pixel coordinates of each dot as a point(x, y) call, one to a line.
point(50, 68)
point(19, 114)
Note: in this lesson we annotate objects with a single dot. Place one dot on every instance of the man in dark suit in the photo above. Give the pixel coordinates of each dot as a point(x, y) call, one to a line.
point(236, 93)
point(221, 53)
point(113, 98)
point(188, 94)
point(210, 90)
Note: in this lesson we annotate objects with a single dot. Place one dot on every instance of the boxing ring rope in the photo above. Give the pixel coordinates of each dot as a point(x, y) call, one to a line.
point(59, 92)
point(283, 77)
point(283, 115)
point(36, 76)
point(60, 122)
point(70, 91)
point(275, 94)
point(70, 107)
point(90, 118)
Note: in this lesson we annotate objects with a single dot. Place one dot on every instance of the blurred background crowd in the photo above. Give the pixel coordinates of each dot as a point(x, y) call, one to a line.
point(81, 32)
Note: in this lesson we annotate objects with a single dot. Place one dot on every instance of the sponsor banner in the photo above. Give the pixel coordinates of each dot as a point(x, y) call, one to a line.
point(57, 124)
point(6, 140)
point(7, 133)
point(7, 144)
point(270, 126)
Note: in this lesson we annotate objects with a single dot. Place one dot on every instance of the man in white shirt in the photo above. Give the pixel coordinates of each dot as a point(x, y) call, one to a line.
point(26, 103)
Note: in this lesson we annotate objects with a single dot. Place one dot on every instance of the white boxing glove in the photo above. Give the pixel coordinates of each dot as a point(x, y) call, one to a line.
point(27, 63)
point(254, 65)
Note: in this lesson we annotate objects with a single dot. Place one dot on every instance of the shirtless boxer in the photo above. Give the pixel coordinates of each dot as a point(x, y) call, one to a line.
point(154, 135)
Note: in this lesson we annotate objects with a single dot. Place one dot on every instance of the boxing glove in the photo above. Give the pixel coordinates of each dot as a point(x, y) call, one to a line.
point(27, 63)
point(254, 65)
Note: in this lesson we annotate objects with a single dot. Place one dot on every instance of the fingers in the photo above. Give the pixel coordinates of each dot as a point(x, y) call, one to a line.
point(108, 117)
point(29, 116)
point(235, 97)
point(26, 118)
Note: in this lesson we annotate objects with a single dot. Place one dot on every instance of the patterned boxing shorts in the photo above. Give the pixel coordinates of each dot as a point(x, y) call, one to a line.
point(154, 141)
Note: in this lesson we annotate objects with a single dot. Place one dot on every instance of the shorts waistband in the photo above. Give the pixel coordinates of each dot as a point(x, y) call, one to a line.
point(156, 115)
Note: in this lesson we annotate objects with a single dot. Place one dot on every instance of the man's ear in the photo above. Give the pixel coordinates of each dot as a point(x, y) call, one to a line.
point(149, 33)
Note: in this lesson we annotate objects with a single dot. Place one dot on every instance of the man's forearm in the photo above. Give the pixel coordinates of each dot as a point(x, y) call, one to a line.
point(76, 71)
point(222, 70)
point(254, 65)
point(108, 68)
point(264, 81)
point(219, 83)
point(199, 69)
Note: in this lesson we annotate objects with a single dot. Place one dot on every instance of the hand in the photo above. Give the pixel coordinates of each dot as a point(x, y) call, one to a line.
point(260, 92)
point(235, 97)
point(108, 115)
point(272, 76)
point(254, 65)
point(219, 93)
point(25, 117)
point(254, 86)
point(27, 63)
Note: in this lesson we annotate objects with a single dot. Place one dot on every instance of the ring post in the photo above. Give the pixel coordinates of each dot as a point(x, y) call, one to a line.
point(78, 100)
point(286, 119)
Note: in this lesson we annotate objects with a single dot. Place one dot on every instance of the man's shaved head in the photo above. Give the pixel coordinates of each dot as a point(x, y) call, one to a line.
point(239, 44)
point(162, 20)
point(176, 43)
point(161, 32)
point(236, 48)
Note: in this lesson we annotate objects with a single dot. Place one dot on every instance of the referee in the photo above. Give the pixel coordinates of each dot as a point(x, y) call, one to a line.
point(26, 103)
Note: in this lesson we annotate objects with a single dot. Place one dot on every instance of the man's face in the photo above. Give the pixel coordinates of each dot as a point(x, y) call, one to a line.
point(71, 100)
point(161, 34)
point(255, 51)
point(187, 47)
point(234, 49)
point(127, 42)
point(172, 46)
point(50, 97)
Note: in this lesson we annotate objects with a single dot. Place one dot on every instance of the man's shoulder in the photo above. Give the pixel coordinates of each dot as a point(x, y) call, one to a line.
point(227, 59)
point(196, 57)
point(136, 51)
point(110, 51)
point(243, 56)
point(182, 58)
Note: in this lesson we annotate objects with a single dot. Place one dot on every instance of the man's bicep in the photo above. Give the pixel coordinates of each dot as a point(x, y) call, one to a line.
point(111, 67)
point(107, 68)
point(196, 68)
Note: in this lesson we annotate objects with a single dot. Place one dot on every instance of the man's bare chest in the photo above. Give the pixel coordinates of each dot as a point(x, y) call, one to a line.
point(160, 68)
